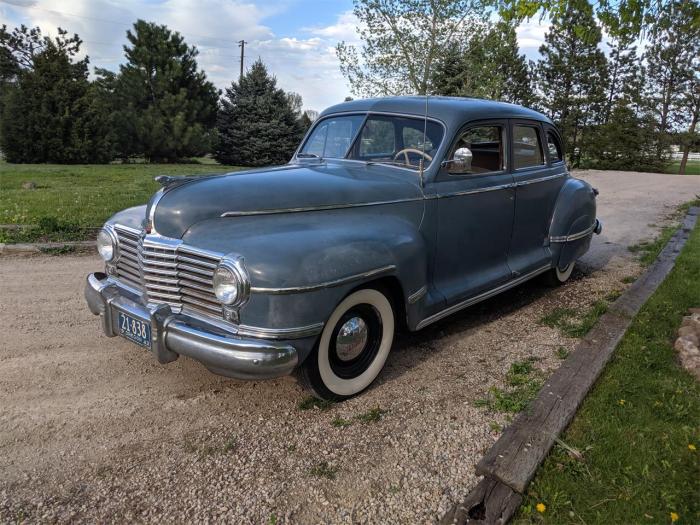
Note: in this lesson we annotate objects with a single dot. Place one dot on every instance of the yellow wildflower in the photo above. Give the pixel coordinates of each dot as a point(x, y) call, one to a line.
point(691, 447)
point(621, 402)
point(674, 517)
point(541, 507)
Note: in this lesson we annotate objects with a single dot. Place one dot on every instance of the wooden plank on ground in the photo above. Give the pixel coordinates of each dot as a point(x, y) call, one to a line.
point(514, 458)
point(490, 502)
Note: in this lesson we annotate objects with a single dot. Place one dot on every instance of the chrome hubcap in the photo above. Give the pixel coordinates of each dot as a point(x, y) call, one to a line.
point(352, 338)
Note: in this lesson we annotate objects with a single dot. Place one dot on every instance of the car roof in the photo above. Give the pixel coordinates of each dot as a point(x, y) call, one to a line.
point(453, 111)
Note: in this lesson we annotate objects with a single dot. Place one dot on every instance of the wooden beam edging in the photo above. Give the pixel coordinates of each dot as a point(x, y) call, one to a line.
point(510, 464)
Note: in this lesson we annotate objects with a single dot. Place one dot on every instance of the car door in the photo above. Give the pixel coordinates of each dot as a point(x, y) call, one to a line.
point(475, 207)
point(538, 175)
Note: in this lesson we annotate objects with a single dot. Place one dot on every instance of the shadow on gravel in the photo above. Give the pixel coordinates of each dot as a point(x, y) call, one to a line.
point(412, 348)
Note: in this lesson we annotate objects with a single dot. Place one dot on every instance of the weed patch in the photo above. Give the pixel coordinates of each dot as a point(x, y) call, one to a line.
point(522, 388)
point(311, 402)
point(573, 323)
point(371, 416)
point(324, 470)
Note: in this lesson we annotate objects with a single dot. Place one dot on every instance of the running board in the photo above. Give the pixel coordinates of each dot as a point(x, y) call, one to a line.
point(481, 297)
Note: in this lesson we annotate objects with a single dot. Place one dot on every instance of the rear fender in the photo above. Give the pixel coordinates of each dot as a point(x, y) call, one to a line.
point(573, 222)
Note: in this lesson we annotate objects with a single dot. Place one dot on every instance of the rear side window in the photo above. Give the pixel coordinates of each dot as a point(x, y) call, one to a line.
point(527, 150)
point(554, 147)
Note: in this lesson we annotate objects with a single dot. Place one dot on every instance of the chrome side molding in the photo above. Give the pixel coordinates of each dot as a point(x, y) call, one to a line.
point(481, 297)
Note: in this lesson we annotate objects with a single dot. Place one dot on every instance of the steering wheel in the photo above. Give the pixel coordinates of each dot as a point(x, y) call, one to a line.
point(406, 151)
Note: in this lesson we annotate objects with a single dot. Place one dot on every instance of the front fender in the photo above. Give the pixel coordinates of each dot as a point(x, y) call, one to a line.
point(299, 263)
point(573, 222)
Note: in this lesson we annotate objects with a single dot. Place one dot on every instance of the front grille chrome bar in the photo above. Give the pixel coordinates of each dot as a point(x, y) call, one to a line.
point(167, 270)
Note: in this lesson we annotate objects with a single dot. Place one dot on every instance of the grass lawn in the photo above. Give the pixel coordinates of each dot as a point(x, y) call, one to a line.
point(69, 199)
point(692, 168)
point(632, 453)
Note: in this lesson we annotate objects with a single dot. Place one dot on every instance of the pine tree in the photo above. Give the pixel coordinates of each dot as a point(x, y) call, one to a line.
point(623, 72)
point(165, 107)
point(572, 75)
point(257, 125)
point(487, 64)
point(49, 113)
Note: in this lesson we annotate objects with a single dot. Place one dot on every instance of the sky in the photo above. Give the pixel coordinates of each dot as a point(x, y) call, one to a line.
point(295, 38)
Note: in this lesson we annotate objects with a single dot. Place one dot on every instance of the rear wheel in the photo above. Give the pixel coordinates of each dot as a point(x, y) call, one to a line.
point(353, 346)
point(556, 277)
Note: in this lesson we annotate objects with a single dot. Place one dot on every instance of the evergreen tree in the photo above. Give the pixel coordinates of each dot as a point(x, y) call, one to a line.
point(627, 141)
point(572, 75)
point(623, 73)
point(49, 113)
point(257, 125)
point(488, 64)
point(165, 107)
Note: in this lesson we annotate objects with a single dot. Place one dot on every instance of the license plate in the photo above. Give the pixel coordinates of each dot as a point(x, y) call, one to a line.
point(135, 330)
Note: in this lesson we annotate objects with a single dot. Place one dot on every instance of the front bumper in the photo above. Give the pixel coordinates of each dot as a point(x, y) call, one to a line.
point(213, 344)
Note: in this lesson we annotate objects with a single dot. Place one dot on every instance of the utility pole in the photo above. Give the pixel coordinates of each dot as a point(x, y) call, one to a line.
point(241, 44)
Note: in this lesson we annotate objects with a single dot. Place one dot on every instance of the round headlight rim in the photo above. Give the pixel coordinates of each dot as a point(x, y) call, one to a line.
point(109, 231)
point(235, 265)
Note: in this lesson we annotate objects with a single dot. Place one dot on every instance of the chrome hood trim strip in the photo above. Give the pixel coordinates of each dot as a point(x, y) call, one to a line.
point(317, 208)
point(326, 284)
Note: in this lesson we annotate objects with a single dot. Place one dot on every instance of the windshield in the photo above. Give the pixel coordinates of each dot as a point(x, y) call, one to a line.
point(393, 140)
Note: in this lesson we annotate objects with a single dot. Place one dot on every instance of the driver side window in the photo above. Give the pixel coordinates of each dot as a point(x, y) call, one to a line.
point(478, 150)
point(377, 139)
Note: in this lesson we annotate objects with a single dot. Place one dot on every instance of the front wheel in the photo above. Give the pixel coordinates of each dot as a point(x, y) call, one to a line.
point(353, 346)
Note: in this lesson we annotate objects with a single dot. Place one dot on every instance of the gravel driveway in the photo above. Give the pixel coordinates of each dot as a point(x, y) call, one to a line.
point(93, 429)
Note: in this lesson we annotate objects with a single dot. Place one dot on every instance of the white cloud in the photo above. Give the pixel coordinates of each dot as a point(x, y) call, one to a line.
point(531, 34)
point(345, 28)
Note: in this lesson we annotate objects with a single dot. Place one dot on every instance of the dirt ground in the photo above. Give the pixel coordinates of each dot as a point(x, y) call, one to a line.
point(93, 429)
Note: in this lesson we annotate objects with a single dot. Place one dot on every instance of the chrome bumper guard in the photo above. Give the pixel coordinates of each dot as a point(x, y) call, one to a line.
point(172, 334)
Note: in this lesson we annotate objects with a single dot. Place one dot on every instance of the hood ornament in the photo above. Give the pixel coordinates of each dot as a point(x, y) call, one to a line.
point(171, 180)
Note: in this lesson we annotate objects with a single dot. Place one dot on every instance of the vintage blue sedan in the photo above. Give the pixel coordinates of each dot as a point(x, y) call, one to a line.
point(392, 214)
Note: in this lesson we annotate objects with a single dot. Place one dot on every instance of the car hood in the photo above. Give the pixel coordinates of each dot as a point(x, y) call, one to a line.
point(290, 188)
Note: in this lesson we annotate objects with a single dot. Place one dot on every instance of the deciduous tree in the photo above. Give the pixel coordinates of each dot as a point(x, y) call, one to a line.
point(402, 40)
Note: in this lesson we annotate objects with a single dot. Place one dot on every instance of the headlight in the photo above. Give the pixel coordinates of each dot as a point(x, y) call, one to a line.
point(231, 281)
point(107, 244)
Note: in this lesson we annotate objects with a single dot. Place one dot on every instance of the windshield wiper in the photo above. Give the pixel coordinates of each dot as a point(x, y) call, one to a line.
point(307, 156)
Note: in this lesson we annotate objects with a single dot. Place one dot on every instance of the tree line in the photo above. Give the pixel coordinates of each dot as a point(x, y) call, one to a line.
point(620, 109)
point(158, 106)
point(623, 109)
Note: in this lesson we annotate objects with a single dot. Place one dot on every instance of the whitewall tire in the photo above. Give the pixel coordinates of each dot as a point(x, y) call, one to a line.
point(555, 276)
point(353, 346)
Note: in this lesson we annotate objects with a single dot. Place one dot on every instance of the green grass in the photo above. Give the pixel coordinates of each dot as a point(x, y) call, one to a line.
point(68, 200)
point(626, 456)
point(692, 168)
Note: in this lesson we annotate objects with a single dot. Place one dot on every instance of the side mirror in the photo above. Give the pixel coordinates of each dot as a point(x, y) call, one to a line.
point(461, 161)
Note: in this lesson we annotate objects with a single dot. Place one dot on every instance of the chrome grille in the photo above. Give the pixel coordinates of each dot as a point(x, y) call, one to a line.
point(169, 271)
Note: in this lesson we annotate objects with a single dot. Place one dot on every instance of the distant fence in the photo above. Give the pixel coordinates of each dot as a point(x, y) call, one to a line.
point(678, 155)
